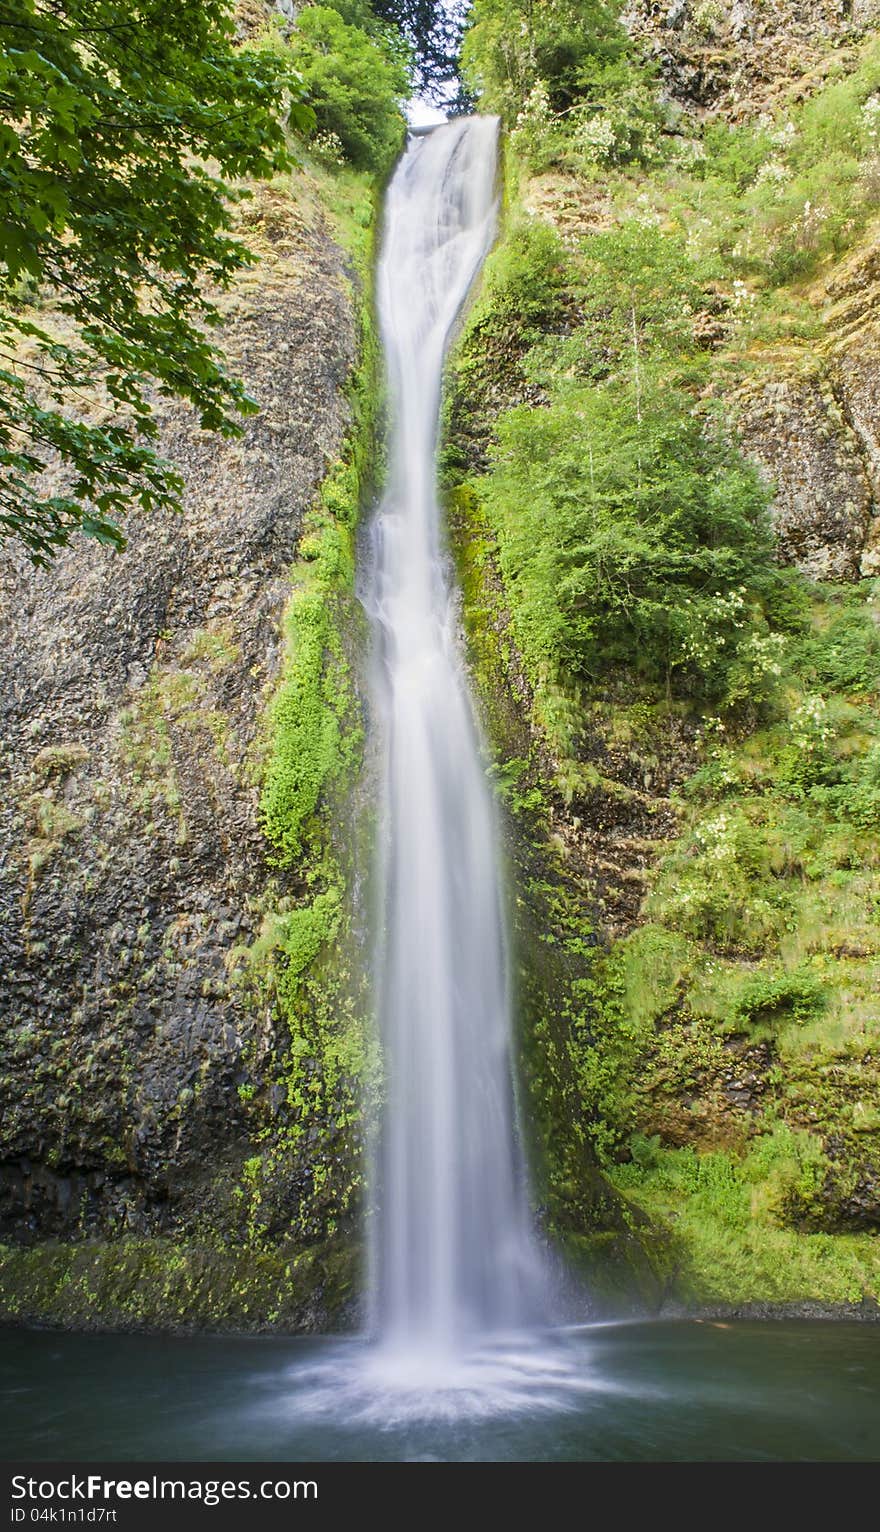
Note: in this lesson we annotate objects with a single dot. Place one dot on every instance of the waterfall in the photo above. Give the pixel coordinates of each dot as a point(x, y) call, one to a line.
point(452, 1253)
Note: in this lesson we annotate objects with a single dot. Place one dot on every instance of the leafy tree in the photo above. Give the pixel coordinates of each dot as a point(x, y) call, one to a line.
point(356, 82)
point(638, 296)
point(434, 32)
point(568, 48)
point(121, 121)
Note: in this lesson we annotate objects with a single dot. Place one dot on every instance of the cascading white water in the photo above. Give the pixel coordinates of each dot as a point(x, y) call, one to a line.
point(453, 1259)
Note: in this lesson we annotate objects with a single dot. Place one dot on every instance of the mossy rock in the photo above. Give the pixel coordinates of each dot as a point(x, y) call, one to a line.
point(155, 1284)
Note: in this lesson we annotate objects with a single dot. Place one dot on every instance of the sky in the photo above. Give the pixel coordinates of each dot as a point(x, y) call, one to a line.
point(422, 115)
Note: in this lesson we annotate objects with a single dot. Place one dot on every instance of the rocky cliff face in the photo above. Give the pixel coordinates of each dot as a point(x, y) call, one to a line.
point(823, 503)
point(133, 690)
point(810, 416)
point(736, 56)
point(813, 423)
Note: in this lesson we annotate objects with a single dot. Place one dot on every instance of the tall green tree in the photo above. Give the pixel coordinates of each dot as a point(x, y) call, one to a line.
point(358, 79)
point(123, 124)
point(573, 49)
point(434, 30)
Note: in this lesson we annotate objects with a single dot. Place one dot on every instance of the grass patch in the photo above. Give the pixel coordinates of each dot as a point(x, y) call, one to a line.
point(725, 1213)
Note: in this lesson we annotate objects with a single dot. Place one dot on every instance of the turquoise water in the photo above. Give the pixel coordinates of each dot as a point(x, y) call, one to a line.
point(634, 1392)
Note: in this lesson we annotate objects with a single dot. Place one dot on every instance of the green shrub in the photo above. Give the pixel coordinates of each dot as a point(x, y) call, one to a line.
point(770, 1001)
point(718, 885)
point(734, 153)
point(857, 798)
point(844, 655)
point(567, 78)
point(803, 185)
point(512, 47)
point(864, 804)
point(356, 81)
point(525, 281)
point(629, 288)
point(631, 535)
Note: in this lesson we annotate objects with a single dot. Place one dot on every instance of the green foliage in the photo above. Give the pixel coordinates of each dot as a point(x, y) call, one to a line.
point(766, 940)
point(734, 154)
point(843, 655)
point(319, 1067)
point(767, 1000)
point(630, 991)
point(860, 796)
point(299, 960)
point(525, 282)
point(510, 779)
point(512, 48)
point(632, 289)
point(727, 1212)
point(356, 82)
point(309, 713)
point(632, 535)
point(747, 871)
point(314, 732)
point(794, 189)
point(773, 820)
point(123, 125)
point(718, 883)
point(567, 79)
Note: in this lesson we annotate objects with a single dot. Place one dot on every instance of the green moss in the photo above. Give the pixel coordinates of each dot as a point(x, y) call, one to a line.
point(350, 200)
point(51, 822)
point(727, 1215)
point(215, 646)
point(59, 760)
point(173, 703)
point(146, 1284)
point(314, 737)
point(313, 743)
point(490, 650)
